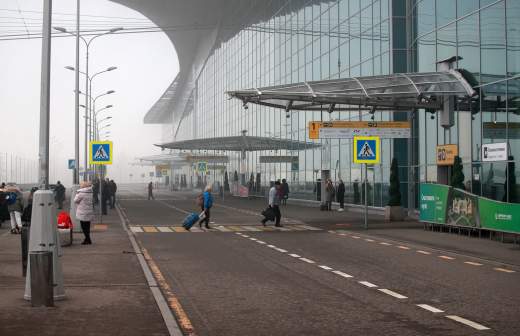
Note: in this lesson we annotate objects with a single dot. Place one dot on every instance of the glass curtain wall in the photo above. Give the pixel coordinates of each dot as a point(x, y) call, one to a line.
point(485, 34)
point(321, 40)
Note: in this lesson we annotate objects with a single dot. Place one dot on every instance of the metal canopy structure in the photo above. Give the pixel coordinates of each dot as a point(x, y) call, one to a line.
point(240, 143)
point(400, 91)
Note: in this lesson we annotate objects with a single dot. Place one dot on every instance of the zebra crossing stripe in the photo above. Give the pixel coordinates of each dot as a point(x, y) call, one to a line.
point(178, 229)
point(222, 228)
point(195, 229)
point(164, 229)
point(252, 228)
point(136, 229)
point(149, 229)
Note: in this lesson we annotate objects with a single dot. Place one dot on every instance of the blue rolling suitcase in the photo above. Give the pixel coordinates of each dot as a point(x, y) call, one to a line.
point(190, 220)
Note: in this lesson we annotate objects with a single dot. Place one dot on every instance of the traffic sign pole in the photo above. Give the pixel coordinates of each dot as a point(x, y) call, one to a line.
point(366, 196)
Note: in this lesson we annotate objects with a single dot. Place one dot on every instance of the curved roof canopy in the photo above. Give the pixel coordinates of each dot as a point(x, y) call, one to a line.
point(401, 91)
point(240, 143)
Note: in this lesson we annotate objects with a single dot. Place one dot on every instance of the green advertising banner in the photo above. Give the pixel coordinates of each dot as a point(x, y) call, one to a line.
point(499, 216)
point(433, 202)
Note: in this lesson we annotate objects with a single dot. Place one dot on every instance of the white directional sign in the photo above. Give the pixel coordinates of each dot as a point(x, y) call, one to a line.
point(494, 152)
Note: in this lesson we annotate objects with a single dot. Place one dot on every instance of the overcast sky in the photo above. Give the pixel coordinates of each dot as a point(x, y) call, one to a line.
point(147, 64)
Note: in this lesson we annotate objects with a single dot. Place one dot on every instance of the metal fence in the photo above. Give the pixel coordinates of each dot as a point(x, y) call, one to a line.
point(18, 169)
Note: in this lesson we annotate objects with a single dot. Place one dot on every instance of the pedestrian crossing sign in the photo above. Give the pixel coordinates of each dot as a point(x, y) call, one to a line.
point(100, 152)
point(367, 149)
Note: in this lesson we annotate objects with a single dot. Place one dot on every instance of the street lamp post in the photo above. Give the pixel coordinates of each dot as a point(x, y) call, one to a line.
point(87, 45)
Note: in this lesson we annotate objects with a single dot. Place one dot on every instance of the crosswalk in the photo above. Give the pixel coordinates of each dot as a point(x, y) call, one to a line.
point(221, 228)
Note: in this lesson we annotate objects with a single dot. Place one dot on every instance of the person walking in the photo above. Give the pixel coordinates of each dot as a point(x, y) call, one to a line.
point(105, 195)
point(275, 195)
point(85, 209)
point(15, 207)
point(340, 195)
point(329, 194)
point(113, 190)
point(95, 191)
point(207, 203)
point(150, 191)
point(285, 191)
point(59, 194)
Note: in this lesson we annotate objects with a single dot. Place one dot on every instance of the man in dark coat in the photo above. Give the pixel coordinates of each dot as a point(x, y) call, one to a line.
point(4, 212)
point(95, 191)
point(105, 195)
point(340, 194)
point(113, 190)
point(59, 194)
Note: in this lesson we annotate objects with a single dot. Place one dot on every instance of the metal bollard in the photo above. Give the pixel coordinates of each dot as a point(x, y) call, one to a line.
point(41, 279)
point(25, 248)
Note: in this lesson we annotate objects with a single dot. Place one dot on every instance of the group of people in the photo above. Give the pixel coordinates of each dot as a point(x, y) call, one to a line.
point(332, 192)
point(14, 208)
point(104, 190)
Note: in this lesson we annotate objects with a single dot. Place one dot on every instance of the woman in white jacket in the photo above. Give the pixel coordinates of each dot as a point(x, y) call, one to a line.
point(85, 209)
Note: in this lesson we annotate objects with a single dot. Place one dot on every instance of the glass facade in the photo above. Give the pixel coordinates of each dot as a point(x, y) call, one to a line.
point(351, 38)
point(485, 35)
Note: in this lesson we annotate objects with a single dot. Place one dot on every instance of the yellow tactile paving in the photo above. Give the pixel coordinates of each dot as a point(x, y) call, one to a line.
point(178, 229)
point(149, 229)
point(100, 227)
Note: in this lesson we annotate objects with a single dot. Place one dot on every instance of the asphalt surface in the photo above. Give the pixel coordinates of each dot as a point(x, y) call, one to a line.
point(329, 278)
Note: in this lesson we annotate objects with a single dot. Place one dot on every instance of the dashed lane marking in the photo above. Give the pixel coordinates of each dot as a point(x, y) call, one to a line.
point(385, 243)
point(500, 269)
point(164, 229)
point(467, 322)
point(392, 293)
point(345, 275)
point(245, 236)
point(271, 246)
point(430, 308)
point(403, 247)
point(307, 260)
point(327, 268)
point(369, 240)
point(423, 252)
point(368, 284)
point(261, 242)
point(473, 263)
point(253, 239)
point(280, 250)
point(446, 257)
point(295, 255)
point(355, 237)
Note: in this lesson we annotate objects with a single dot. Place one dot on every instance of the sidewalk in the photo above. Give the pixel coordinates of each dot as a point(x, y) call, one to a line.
point(107, 293)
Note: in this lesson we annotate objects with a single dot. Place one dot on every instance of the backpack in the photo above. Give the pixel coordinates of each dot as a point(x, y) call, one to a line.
point(210, 200)
point(11, 198)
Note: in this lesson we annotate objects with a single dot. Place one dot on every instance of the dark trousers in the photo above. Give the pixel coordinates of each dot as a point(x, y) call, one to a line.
point(341, 200)
point(206, 219)
point(112, 201)
point(329, 205)
point(150, 195)
point(85, 227)
point(277, 215)
point(103, 205)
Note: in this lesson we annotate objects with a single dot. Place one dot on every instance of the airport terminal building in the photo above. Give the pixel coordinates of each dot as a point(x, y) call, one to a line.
point(254, 74)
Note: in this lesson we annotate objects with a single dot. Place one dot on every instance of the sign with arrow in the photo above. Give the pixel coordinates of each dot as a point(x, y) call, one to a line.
point(367, 149)
point(100, 152)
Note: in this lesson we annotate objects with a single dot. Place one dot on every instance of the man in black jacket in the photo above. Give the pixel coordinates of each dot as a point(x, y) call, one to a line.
point(340, 194)
point(113, 189)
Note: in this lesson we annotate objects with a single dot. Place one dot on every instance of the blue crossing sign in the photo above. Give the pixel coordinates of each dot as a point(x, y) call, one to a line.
point(367, 149)
point(100, 152)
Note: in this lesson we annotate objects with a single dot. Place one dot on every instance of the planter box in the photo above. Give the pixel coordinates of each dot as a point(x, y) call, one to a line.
point(394, 213)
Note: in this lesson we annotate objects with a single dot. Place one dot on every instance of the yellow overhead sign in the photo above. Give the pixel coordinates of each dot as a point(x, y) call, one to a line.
point(446, 154)
point(349, 129)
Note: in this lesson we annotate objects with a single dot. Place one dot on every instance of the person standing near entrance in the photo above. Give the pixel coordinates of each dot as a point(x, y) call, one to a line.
point(274, 203)
point(340, 195)
point(285, 191)
point(329, 194)
point(59, 194)
point(150, 191)
point(85, 209)
point(113, 190)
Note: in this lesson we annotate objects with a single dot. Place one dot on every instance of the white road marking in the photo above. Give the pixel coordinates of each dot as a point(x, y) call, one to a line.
point(342, 234)
point(245, 236)
point(280, 250)
point(369, 240)
point(503, 270)
point(423, 252)
point(222, 228)
point(238, 233)
point(164, 229)
point(368, 284)
point(446, 257)
point(345, 275)
point(251, 228)
point(312, 228)
point(403, 247)
point(327, 268)
point(430, 308)
point(271, 246)
point(385, 243)
point(261, 242)
point(196, 229)
point(307, 260)
point(472, 263)
point(467, 322)
point(330, 231)
point(355, 237)
point(294, 255)
point(136, 229)
point(253, 239)
point(392, 293)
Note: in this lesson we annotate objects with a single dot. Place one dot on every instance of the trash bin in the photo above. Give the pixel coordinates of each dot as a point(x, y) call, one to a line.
point(41, 278)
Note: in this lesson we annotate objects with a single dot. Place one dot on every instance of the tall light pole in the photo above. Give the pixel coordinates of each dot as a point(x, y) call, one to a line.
point(87, 46)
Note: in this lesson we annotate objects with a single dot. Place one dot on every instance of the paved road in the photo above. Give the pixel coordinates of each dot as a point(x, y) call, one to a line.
point(318, 278)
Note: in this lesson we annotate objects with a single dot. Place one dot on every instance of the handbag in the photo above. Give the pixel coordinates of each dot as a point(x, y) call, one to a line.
point(269, 214)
